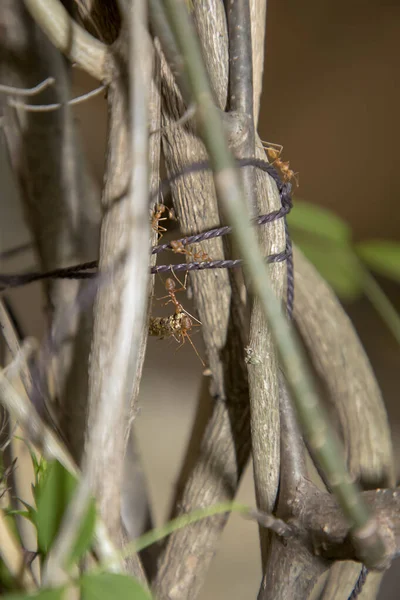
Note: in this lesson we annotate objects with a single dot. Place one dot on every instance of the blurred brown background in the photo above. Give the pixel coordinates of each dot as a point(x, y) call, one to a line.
point(331, 97)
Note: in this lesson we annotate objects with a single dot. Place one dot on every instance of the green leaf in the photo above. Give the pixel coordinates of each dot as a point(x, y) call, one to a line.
point(51, 594)
point(336, 264)
point(21, 513)
point(381, 256)
point(86, 534)
point(318, 221)
point(103, 586)
point(30, 512)
point(40, 469)
point(6, 580)
point(53, 496)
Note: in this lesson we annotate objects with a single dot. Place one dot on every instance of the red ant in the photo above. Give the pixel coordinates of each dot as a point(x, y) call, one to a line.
point(274, 152)
point(178, 247)
point(156, 217)
point(181, 322)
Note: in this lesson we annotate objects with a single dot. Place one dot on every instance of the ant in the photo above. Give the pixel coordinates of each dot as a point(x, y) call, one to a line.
point(182, 321)
point(274, 152)
point(178, 247)
point(156, 217)
point(177, 326)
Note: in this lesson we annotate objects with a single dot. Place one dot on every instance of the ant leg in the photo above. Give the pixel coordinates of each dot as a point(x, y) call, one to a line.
point(194, 347)
point(279, 147)
point(179, 281)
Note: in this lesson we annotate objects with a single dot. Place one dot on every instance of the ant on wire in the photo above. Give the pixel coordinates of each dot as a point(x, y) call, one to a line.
point(178, 247)
point(274, 152)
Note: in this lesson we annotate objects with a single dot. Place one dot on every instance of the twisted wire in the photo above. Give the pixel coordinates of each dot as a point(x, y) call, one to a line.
point(88, 270)
point(359, 583)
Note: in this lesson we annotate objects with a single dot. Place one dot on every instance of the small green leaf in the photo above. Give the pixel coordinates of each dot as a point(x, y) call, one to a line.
point(30, 512)
point(381, 256)
point(40, 469)
point(318, 221)
point(336, 264)
point(86, 534)
point(103, 586)
point(53, 496)
point(51, 594)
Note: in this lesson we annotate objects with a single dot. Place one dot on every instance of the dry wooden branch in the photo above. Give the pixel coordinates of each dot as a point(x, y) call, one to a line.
point(262, 364)
point(344, 367)
point(52, 173)
point(200, 483)
point(258, 14)
point(328, 333)
point(240, 96)
point(69, 37)
point(135, 507)
point(120, 308)
point(220, 458)
point(353, 392)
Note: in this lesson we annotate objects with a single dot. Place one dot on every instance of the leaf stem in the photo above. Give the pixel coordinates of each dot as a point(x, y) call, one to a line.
point(381, 303)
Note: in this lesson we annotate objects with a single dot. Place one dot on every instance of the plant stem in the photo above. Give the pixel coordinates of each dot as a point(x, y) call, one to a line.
point(155, 535)
point(381, 303)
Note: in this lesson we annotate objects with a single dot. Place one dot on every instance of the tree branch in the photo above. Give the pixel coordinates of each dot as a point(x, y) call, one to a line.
point(240, 96)
point(52, 173)
point(262, 366)
point(136, 509)
point(353, 394)
point(342, 363)
point(323, 442)
point(215, 461)
point(120, 310)
point(162, 30)
point(27, 92)
point(11, 339)
point(258, 14)
point(66, 35)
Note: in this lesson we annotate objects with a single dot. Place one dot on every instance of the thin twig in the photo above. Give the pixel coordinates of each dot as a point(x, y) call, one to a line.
point(324, 443)
point(11, 339)
point(161, 29)
point(381, 303)
point(240, 96)
point(15, 91)
point(81, 47)
point(44, 439)
point(58, 105)
point(63, 227)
